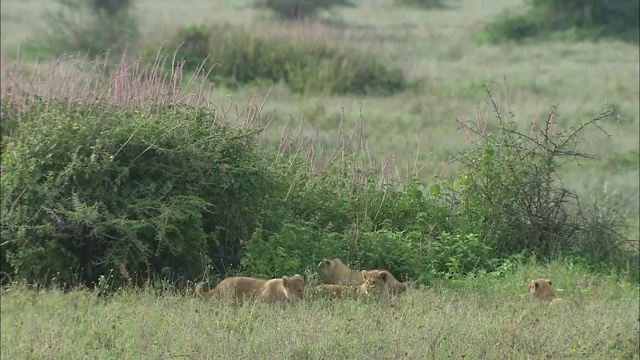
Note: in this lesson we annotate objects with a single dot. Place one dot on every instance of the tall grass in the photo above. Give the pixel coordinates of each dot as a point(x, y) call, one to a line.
point(482, 317)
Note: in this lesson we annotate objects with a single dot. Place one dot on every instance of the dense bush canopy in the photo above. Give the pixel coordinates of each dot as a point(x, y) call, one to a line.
point(87, 189)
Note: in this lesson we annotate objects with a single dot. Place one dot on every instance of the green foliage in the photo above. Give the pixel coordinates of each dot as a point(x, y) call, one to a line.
point(111, 7)
point(575, 19)
point(167, 192)
point(507, 26)
point(284, 253)
point(397, 251)
point(306, 66)
point(427, 4)
point(299, 10)
point(87, 188)
point(459, 254)
point(94, 26)
point(512, 196)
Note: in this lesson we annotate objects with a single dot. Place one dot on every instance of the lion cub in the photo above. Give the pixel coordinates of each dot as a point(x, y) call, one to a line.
point(394, 286)
point(540, 290)
point(334, 271)
point(287, 288)
point(335, 291)
point(375, 279)
point(247, 288)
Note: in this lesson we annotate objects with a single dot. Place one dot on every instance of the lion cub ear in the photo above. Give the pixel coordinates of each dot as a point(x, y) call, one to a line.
point(383, 275)
point(297, 276)
point(537, 285)
point(549, 281)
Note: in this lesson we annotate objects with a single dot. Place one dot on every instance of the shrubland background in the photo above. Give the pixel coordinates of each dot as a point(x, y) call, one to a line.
point(424, 137)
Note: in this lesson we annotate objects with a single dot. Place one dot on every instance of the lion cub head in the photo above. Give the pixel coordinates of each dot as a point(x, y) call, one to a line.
point(375, 279)
point(294, 286)
point(541, 290)
point(334, 271)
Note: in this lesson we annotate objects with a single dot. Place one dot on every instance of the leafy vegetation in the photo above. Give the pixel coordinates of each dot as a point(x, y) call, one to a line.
point(299, 10)
point(167, 190)
point(93, 26)
point(428, 4)
point(306, 66)
point(577, 19)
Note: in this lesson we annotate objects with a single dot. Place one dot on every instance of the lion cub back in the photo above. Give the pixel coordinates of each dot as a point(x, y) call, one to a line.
point(335, 291)
point(334, 271)
point(235, 288)
point(287, 288)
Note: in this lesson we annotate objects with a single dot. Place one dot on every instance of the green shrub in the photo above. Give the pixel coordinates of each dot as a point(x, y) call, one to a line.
point(298, 10)
point(518, 28)
point(574, 19)
point(512, 196)
point(87, 188)
point(92, 186)
point(304, 65)
point(93, 26)
point(284, 253)
point(459, 254)
point(428, 4)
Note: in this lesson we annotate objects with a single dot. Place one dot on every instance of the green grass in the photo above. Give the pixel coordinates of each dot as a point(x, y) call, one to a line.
point(486, 317)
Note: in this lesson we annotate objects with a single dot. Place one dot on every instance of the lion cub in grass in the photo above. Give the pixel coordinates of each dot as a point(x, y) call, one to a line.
point(333, 290)
point(287, 288)
point(383, 281)
point(334, 271)
point(237, 288)
point(540, 290)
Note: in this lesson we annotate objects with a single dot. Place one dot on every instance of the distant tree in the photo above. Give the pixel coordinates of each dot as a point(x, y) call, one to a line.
point(96, 26)
point(569, 19)
point(299, 9)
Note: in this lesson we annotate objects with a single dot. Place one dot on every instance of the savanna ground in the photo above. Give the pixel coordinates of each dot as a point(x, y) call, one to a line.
point(477, 318)
point(487, 316)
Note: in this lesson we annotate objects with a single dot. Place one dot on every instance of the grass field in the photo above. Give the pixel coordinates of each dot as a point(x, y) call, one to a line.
point(488, 317)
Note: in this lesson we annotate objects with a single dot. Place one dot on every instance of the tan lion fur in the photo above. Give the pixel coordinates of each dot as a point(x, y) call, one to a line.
point(334, 271)
point(247, 288)
point(332, 289)
point(394, 286)
point(375, 279)
point(234, 288)
point(287, 288)
point(541, 290)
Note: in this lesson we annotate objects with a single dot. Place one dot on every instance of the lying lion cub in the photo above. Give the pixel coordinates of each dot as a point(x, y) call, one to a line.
point(283, 289)
point(376, 279)
point(394, 287)
point(248, 288)
point(334, 271)
point(540, 290)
